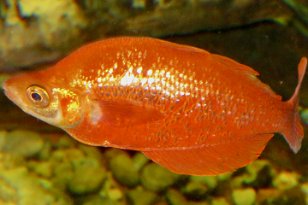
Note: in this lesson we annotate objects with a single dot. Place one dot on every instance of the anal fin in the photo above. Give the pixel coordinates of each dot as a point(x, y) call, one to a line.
point(211, 159)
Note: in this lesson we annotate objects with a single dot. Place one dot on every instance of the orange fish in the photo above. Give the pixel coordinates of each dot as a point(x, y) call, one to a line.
point(190, 111)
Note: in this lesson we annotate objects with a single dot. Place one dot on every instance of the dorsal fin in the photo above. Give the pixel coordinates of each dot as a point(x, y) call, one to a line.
point(249, 72)
point(228, 62)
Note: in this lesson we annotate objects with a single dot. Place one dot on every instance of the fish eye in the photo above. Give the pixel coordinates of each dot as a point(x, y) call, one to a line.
point(38, 96)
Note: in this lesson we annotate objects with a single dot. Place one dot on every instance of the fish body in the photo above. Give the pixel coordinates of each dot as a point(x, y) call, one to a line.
point(187, 109)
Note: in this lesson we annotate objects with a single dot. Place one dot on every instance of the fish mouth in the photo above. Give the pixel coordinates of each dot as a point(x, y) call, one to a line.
point(5, 86)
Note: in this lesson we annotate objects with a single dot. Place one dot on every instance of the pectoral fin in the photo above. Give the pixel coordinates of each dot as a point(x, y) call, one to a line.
point(123, 113)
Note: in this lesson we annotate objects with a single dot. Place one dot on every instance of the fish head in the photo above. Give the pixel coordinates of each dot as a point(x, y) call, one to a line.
point(48, 99)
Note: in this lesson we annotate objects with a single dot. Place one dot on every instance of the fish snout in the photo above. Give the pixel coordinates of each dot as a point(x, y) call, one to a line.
point(5, 84)
point(7, 87)
point(11, 89)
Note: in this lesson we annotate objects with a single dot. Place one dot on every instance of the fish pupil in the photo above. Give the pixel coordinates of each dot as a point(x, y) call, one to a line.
point(36, 96)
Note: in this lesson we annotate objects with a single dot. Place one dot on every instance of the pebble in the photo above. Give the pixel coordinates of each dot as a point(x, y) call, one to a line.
point(174, 197)
point(157, 178)
point(21, 142)
point(286, 180)
point(122, 168)
point(246, 196)
point(88, 175)
point(139, 196)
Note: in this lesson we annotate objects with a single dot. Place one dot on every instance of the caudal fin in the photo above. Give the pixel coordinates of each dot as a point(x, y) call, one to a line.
point(294, 132)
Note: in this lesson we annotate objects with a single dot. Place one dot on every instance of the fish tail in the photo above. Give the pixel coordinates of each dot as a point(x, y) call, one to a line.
point(293, 131)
